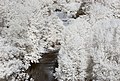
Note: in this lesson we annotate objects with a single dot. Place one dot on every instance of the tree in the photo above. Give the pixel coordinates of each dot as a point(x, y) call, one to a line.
point(29, 30)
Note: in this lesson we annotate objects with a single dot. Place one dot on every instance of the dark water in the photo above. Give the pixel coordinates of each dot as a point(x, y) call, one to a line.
point(44, 70)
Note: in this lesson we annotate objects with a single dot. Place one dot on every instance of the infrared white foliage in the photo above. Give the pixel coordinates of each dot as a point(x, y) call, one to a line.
point(27, 29)
point(90, 47)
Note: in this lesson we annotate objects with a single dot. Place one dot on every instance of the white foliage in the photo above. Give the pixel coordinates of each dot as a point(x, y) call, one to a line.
point(74, 62)
point(29, 30)
point(90, 47)
point(90, 43)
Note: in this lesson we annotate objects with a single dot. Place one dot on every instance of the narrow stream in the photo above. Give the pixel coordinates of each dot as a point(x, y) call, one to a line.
point(44, 70)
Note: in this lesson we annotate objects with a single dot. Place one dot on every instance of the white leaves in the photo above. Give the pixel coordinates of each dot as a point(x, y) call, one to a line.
point(32, 29)
point(95, 35)
point(73, 54)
